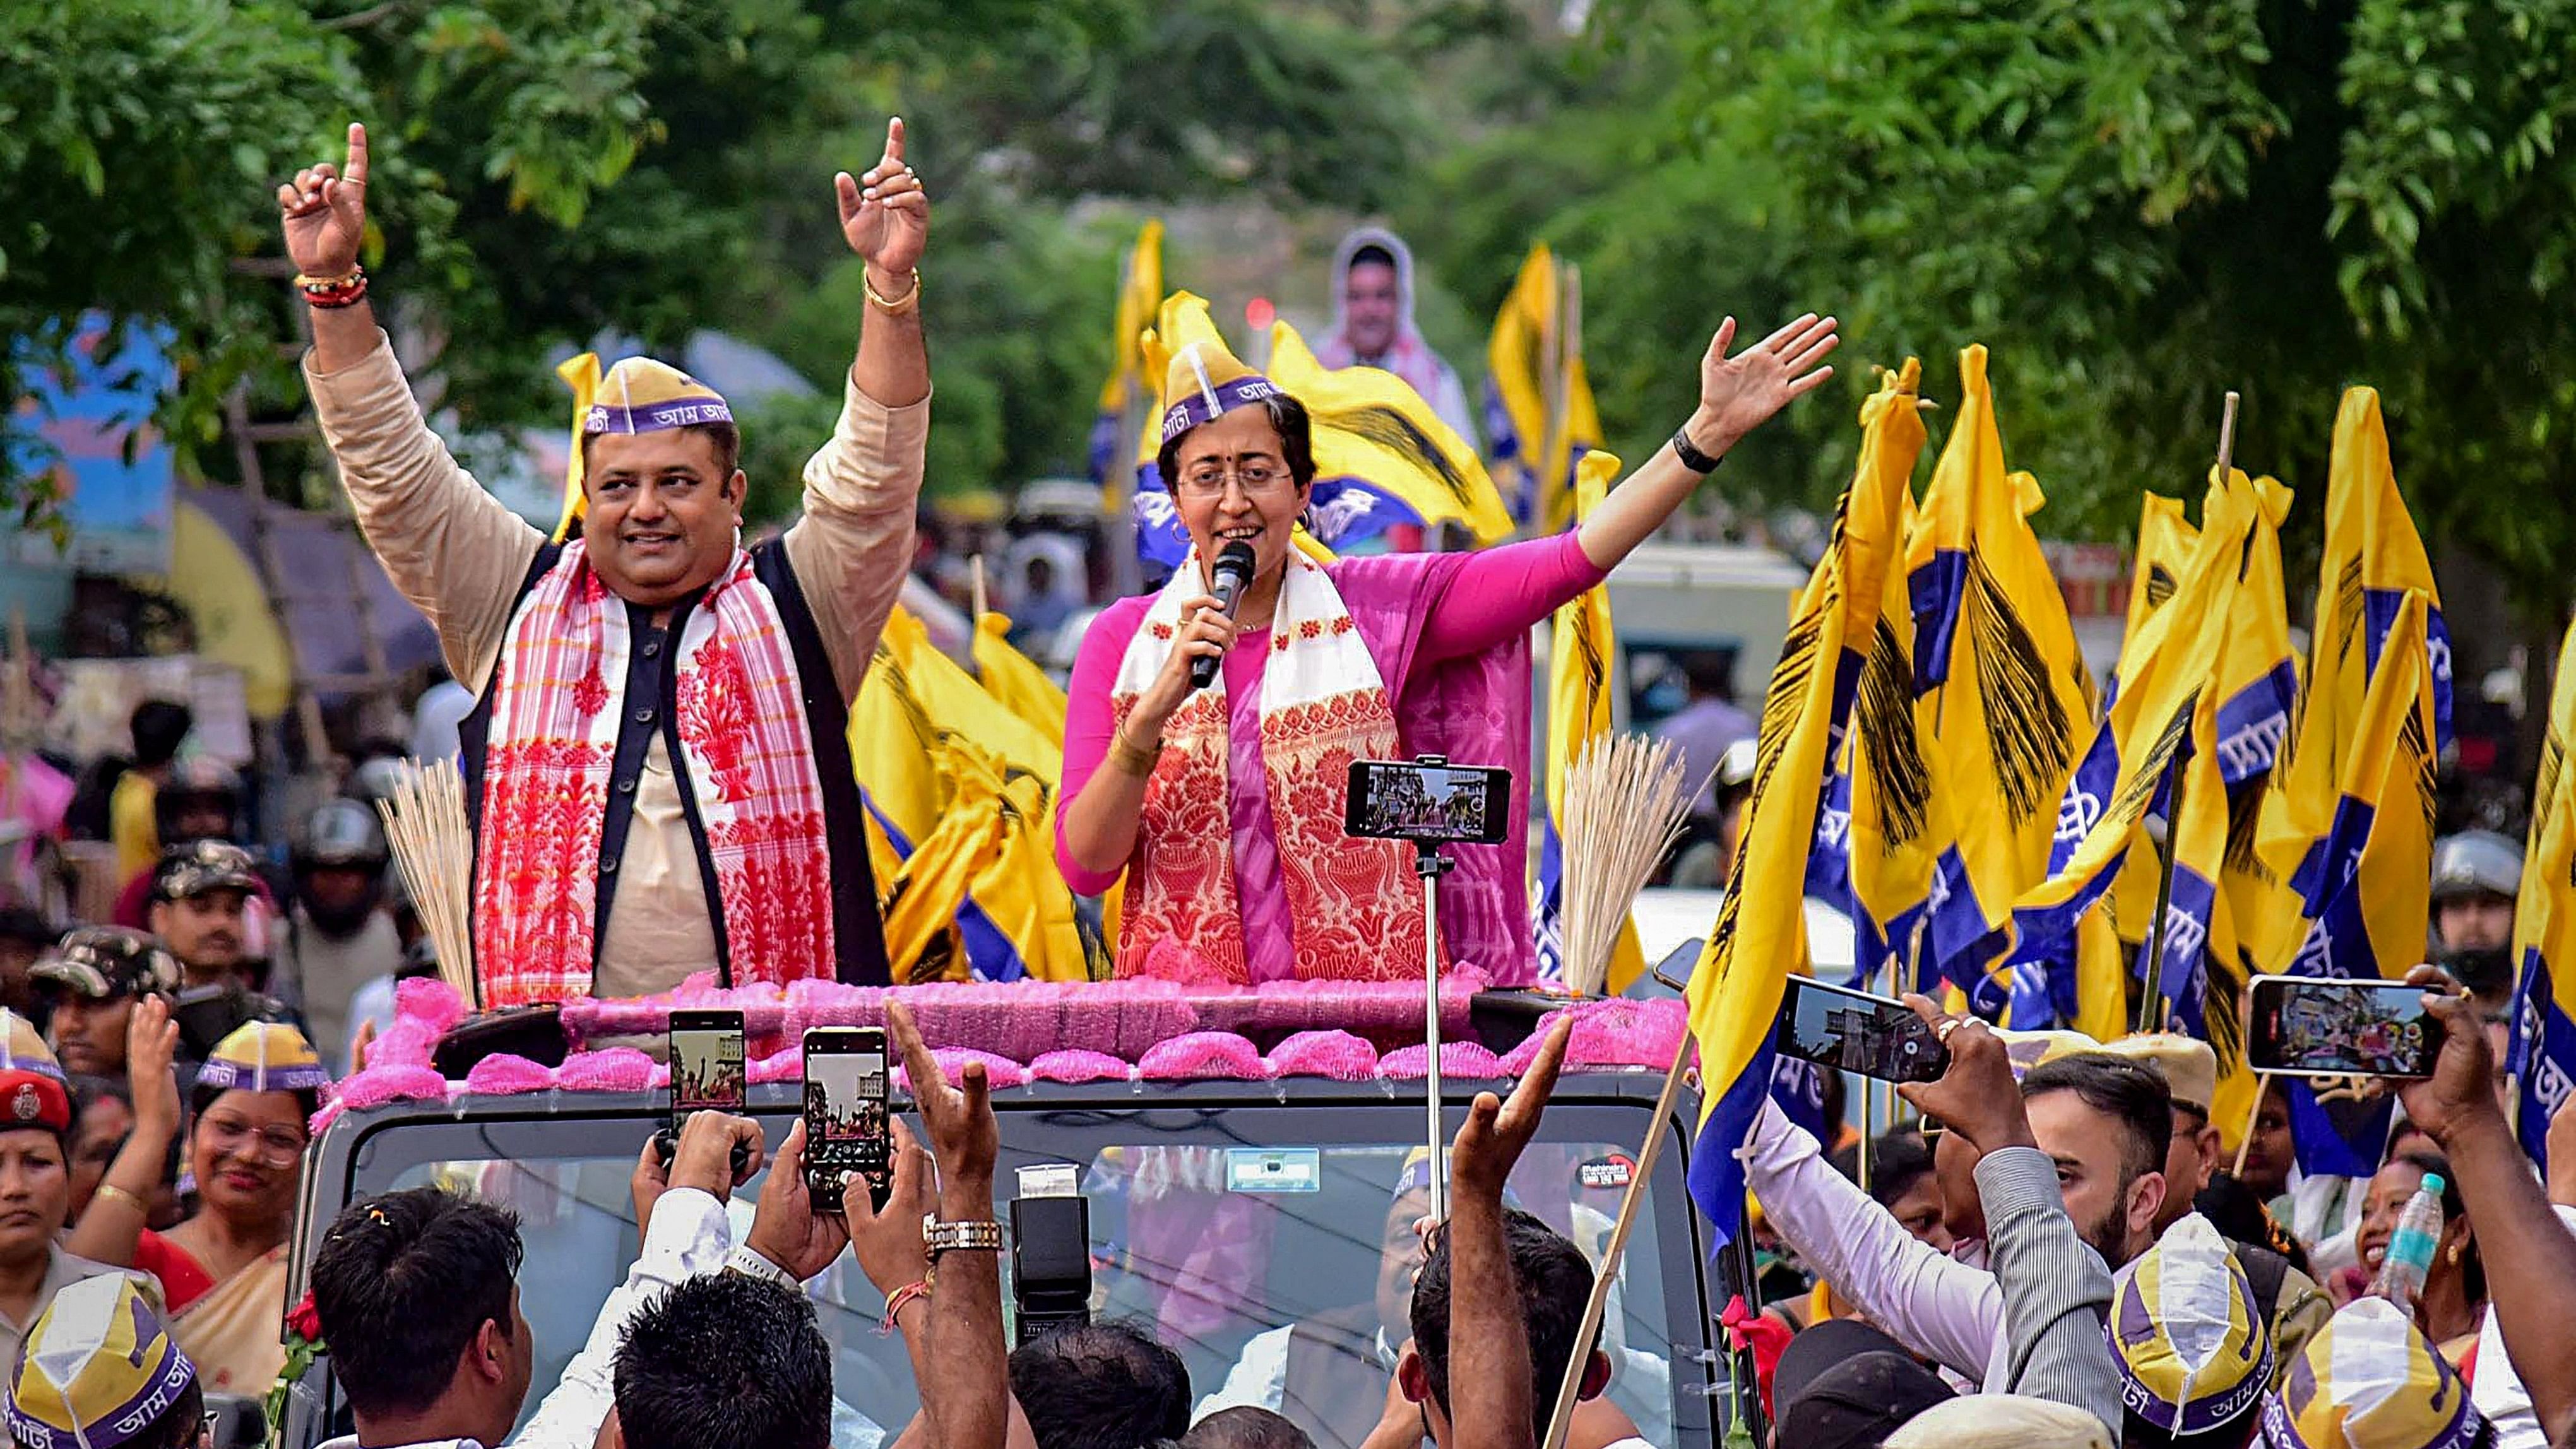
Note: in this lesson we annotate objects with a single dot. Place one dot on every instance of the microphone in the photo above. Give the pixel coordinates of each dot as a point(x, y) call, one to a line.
point(1231, 576)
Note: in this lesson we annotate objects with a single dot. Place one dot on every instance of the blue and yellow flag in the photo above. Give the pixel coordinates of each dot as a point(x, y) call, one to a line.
point(2367, 890)
point(2005, 699)
point(2169, 662)
point(1578, 716)
point(962, 788)
point(2544, 926)
point(2080, 979)
point(1382, 456)
point(2372, 557)
point(1878, 828)
point(1761, 930)
point(1129, 391)
point(1539, 414)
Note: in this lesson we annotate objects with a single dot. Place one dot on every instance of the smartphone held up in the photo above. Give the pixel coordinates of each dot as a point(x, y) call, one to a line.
point(845, 1114)
point(707, 1075)
point(1853, 1031)
point(2313, 1026)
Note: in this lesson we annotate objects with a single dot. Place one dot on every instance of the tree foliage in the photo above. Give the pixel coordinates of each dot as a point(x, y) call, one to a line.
point(2138, 204)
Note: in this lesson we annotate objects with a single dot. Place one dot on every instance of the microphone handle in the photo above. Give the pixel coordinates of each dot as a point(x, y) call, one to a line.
point(1203, 669)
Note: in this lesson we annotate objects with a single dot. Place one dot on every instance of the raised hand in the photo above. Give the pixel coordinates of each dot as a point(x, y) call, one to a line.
point(2461, 1090)
point(888, 1244)
point(151, 1044)
point(785, 1229)
point(959, 1118)
point(1740, 393)
point(1976, 1097)
point(325, 211)
point(885, 215)
point(1495, 1133)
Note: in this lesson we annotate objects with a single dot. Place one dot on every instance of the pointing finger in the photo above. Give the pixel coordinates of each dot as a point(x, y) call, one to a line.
point(357, 154)
point(894, 140)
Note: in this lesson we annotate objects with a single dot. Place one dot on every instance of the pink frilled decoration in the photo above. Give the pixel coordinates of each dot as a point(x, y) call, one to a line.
point(1609, 1035)
point(619, 1069)
point(506, 1075)
point(1203, 1056)
point(1080, 1064)
point(1457, 1059)
point(1335, 1054)
point(1133, 1031)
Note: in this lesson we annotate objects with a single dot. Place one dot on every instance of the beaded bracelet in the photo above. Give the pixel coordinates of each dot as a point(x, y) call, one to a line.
point(330, 292)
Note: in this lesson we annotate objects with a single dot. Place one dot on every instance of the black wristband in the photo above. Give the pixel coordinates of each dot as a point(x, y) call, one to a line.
point(1692, 458)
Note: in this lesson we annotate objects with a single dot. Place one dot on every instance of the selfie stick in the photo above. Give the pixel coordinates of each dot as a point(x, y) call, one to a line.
point(1430, 865)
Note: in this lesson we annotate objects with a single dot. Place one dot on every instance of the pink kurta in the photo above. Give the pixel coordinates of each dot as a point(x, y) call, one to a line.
point(1419, 615)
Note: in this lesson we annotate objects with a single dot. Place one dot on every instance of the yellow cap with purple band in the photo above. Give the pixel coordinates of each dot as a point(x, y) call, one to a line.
point(98, 1369)
point(264, 1056)
point(638, 395)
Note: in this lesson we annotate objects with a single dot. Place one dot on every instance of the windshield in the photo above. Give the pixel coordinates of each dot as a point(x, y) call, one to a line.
point(1279, 1273)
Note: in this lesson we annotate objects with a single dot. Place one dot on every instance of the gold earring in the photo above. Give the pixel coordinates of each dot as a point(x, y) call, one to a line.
point(2454, 1255)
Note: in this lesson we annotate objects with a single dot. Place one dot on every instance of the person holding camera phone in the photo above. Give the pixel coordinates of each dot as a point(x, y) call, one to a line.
point(2525, 1384)
point(1228, 728)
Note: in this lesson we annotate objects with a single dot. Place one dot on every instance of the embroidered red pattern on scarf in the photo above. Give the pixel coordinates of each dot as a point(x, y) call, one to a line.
point(746, 750)
point(1355, 909)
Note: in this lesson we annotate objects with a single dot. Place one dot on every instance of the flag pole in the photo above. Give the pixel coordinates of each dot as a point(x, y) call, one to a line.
point(2262, 1085)
point(2151, 950)
point(976, 588)
point(1561, 1418)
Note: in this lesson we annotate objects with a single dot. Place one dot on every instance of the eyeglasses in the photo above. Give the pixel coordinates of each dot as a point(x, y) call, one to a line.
point(276, 1146)
point(1253, 478)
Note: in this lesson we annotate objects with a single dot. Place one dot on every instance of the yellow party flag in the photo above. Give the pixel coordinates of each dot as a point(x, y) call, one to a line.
point(2005, 700)
point(1014, 679)
point(917, 712)
point(2372, 556)
point(2544, 925)
point(1130, 388)
point(1879, 828)
point(1539, 414)
point(1761, 930)
point(1382, 456)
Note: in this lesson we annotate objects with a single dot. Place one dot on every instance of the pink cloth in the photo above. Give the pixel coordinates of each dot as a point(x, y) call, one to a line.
point(1434, 624)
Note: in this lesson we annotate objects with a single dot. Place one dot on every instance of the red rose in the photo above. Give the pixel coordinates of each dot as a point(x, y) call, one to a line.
point(305, 1320)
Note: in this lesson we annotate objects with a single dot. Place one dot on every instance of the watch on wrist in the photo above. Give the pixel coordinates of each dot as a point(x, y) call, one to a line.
point(975, 1236)
point(1692, 458)
point(750, 1262)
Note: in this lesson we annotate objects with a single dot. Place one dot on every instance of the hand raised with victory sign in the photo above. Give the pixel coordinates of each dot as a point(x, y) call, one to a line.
point(885, 214)
point(326, 212)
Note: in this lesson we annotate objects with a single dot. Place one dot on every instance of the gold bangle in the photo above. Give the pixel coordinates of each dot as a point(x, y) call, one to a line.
point(114, 1193)
point(908, 302)
point(1130, 759)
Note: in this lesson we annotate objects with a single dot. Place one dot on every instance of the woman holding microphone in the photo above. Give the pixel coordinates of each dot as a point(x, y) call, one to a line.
point(1222, 806)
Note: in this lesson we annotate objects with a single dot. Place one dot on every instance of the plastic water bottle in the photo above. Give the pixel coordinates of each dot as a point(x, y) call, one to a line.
point(2410, 1248)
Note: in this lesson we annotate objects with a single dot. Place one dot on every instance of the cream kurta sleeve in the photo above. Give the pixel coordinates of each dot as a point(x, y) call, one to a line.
point(853, 547)
point(451, 547)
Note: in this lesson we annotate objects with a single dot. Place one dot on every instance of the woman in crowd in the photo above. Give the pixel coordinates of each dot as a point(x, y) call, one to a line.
point(2453, 1304)
point(1222, 807)
point(223, 1270)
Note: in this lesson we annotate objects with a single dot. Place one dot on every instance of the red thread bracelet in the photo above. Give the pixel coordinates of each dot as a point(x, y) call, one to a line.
point(902, 1298)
